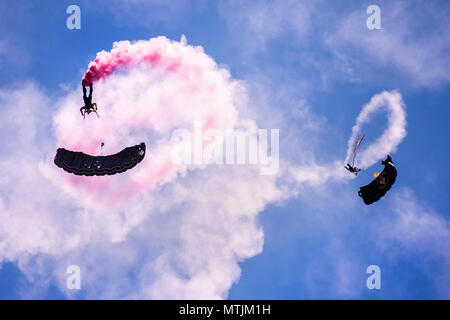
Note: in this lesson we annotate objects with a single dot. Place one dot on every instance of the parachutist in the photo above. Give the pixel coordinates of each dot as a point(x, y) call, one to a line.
point(88, 105)
point(354, 170)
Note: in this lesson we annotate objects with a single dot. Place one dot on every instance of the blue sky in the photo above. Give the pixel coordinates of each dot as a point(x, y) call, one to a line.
point(309, 67)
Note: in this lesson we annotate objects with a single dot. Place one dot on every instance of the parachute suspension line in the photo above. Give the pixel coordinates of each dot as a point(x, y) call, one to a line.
point(355, 150)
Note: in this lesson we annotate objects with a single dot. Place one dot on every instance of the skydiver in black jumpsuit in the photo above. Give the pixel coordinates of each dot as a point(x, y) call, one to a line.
point(88, 105)
point(354, 170)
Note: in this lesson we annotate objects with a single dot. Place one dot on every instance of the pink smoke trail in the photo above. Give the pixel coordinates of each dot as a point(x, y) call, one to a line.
point(126, 55)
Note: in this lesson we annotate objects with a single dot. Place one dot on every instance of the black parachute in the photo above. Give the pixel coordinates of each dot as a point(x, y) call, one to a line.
point(378, 187)
point(81, 164)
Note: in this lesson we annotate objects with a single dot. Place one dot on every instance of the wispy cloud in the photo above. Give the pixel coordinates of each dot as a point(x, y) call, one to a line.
point(329, 42)
point(414, 39)
point(416, 230)
point(261, 22)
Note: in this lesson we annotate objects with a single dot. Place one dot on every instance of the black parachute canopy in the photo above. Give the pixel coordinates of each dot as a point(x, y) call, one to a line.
point(80, 163)
point(378, 187)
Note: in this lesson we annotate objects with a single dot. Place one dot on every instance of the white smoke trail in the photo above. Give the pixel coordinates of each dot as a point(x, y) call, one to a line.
point(392, 136)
